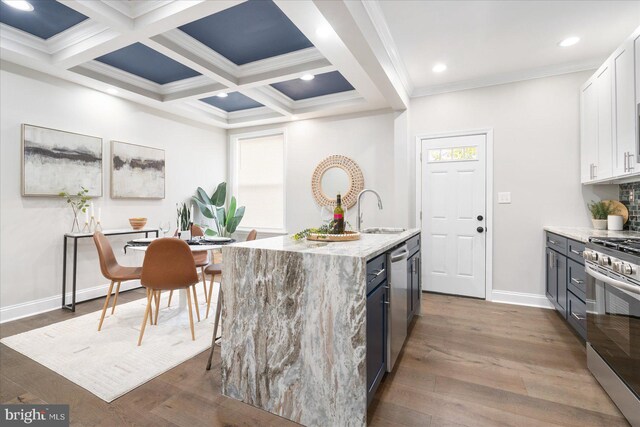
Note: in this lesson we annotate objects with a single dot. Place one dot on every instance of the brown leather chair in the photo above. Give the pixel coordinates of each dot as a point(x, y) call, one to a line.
point(201, 259)
point(168, 265)
point(112, 271)
point(215, 270)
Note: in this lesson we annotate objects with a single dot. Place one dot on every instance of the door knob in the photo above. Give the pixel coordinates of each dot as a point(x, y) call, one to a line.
point(480, 217)
point(480, 229)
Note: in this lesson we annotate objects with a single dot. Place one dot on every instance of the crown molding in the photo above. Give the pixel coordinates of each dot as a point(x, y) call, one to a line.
point(379, 22)
point(504, 78)
point(76, 34)
point(22, 38)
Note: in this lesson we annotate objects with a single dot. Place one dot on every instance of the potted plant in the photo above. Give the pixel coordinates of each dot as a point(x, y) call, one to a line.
point(599, 213)
point(183, 220)
point(226, 220)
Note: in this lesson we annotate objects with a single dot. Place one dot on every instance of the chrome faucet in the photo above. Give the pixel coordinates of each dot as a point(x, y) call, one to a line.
point(359, 217)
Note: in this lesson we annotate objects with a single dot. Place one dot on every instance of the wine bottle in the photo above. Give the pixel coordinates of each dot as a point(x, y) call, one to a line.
point(338, 216)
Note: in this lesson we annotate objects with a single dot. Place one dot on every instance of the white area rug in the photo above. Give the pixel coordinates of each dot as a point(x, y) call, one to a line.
point(109, 363)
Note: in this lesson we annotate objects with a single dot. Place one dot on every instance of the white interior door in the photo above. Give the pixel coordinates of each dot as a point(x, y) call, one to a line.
point(454, 215)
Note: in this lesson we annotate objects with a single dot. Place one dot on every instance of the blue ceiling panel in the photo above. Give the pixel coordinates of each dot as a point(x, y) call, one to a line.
point(254, 30)
point(47, 19)
point(145, 62)
point(235, 101)
point(322, 84)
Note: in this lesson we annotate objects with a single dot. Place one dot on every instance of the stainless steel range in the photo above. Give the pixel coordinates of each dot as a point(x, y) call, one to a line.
point(613, 320)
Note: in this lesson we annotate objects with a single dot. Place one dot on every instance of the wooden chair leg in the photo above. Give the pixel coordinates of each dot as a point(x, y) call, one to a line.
point(195, 300)
point(106, 304)
point(146, 315)
point(157, 306)
point(209, 296)
point(204, 284)
point(151, 310)
point(193, 334)
point(170, 295)
point(115, 299)
point(215, 328)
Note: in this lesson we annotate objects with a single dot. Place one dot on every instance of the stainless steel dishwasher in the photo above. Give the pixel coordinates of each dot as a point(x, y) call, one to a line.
point(398, 294)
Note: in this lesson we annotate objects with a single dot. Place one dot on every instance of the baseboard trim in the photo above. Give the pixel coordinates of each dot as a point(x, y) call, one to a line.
point(43, 305)
point(521, 298)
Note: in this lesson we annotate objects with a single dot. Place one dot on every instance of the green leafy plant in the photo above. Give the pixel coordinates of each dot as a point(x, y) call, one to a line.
point(226, 219)
point(79, 202)
point(601, 209)
point(184, 217)
point(328, 228)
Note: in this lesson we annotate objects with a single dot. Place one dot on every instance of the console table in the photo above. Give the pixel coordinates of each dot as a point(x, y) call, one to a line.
point(75, 237)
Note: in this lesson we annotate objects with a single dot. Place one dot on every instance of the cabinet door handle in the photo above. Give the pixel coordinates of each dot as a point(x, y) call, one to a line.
point(629, 157)
point(577, 316)
point(384, 302)
point(378, 273)
point(577, 281)
point(553, 242)
point(626, 157)
point(575, 252)
point(551, 259)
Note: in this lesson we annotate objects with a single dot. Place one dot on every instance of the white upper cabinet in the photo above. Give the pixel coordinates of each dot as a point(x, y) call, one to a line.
point(624, 130)
point(603, 168)
point(589, 130)
point(609, 117)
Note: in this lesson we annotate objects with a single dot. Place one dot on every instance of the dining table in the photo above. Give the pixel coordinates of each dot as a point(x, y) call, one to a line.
point(201, 247)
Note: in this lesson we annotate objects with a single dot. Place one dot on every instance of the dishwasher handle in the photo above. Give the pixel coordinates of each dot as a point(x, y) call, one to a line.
point(399, 254)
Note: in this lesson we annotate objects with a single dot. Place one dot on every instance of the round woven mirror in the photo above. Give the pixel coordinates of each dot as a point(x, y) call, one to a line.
point(337, 174)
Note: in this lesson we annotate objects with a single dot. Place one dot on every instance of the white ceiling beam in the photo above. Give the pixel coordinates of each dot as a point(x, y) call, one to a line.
point(195, 93)
point(178, 53)
point(257, 94)
point(129, 31)
point(309, 16)
point(353, 25)
point(317, 66)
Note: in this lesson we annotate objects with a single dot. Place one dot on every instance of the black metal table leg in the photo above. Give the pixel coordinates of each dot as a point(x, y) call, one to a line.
point(75, 269)
point(64, 273)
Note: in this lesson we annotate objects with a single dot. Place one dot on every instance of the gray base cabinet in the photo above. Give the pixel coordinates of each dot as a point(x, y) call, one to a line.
point(565, 280)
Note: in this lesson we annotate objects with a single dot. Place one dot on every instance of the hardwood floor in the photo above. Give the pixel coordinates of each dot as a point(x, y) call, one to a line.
point(466, 363)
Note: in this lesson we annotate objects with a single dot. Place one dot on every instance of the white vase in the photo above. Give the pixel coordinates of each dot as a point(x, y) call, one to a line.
point(614, 222)
point(599, 224)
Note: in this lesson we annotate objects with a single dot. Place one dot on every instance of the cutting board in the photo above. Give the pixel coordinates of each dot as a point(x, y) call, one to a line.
point(620, 209)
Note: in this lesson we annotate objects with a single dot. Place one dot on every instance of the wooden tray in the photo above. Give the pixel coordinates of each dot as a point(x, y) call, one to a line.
point(621, 210)
point(346, 237)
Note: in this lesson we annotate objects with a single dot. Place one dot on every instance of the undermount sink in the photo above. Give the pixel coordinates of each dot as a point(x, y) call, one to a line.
point(383, 230)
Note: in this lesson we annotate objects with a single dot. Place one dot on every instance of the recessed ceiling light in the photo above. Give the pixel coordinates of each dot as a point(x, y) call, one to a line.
point(324, 31)
point(569, 41)
point(307, 77)
point(112, 91)
point(438, 68)
point(19, 4)
point(222, 95)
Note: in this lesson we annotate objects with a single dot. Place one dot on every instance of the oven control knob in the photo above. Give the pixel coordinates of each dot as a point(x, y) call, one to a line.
point(627, 269)
point(617, 267)
point(604, 260)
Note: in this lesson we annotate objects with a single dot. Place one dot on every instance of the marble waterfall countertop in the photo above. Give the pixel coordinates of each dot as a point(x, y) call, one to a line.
point(368, 247)
point(294, 326)
point(582, 234)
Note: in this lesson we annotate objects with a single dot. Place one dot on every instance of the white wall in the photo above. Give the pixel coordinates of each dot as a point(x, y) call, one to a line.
point(367, 139)
point(32, 228)
point(536, 158)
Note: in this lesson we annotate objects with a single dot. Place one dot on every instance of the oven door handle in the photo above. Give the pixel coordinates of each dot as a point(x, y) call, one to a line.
point(613, 282)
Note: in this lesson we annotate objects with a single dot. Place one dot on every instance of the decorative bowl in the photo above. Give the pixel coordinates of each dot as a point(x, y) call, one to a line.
point(137, 223)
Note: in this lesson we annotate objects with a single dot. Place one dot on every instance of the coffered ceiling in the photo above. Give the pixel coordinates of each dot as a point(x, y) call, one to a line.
point(225, 63)
point(239, 63)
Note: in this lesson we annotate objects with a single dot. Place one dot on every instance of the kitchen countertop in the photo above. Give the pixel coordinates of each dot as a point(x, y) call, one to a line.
point(582, 234)
point(369, 245)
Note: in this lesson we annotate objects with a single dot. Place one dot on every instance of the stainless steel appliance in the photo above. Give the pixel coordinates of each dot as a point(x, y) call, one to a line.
point(613, 320)
point(398, 294)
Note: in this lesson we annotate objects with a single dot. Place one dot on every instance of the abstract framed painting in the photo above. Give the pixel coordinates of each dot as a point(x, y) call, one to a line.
point(55, 160)
point(137, 172)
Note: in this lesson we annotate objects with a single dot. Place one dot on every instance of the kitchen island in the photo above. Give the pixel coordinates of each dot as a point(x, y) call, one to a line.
point(294, 324)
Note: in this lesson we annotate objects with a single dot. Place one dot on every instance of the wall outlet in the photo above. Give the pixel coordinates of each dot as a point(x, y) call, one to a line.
point(631, 196)
point(504, 198)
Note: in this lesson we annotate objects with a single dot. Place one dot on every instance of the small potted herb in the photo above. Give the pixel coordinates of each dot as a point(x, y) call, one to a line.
point(599, 213)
